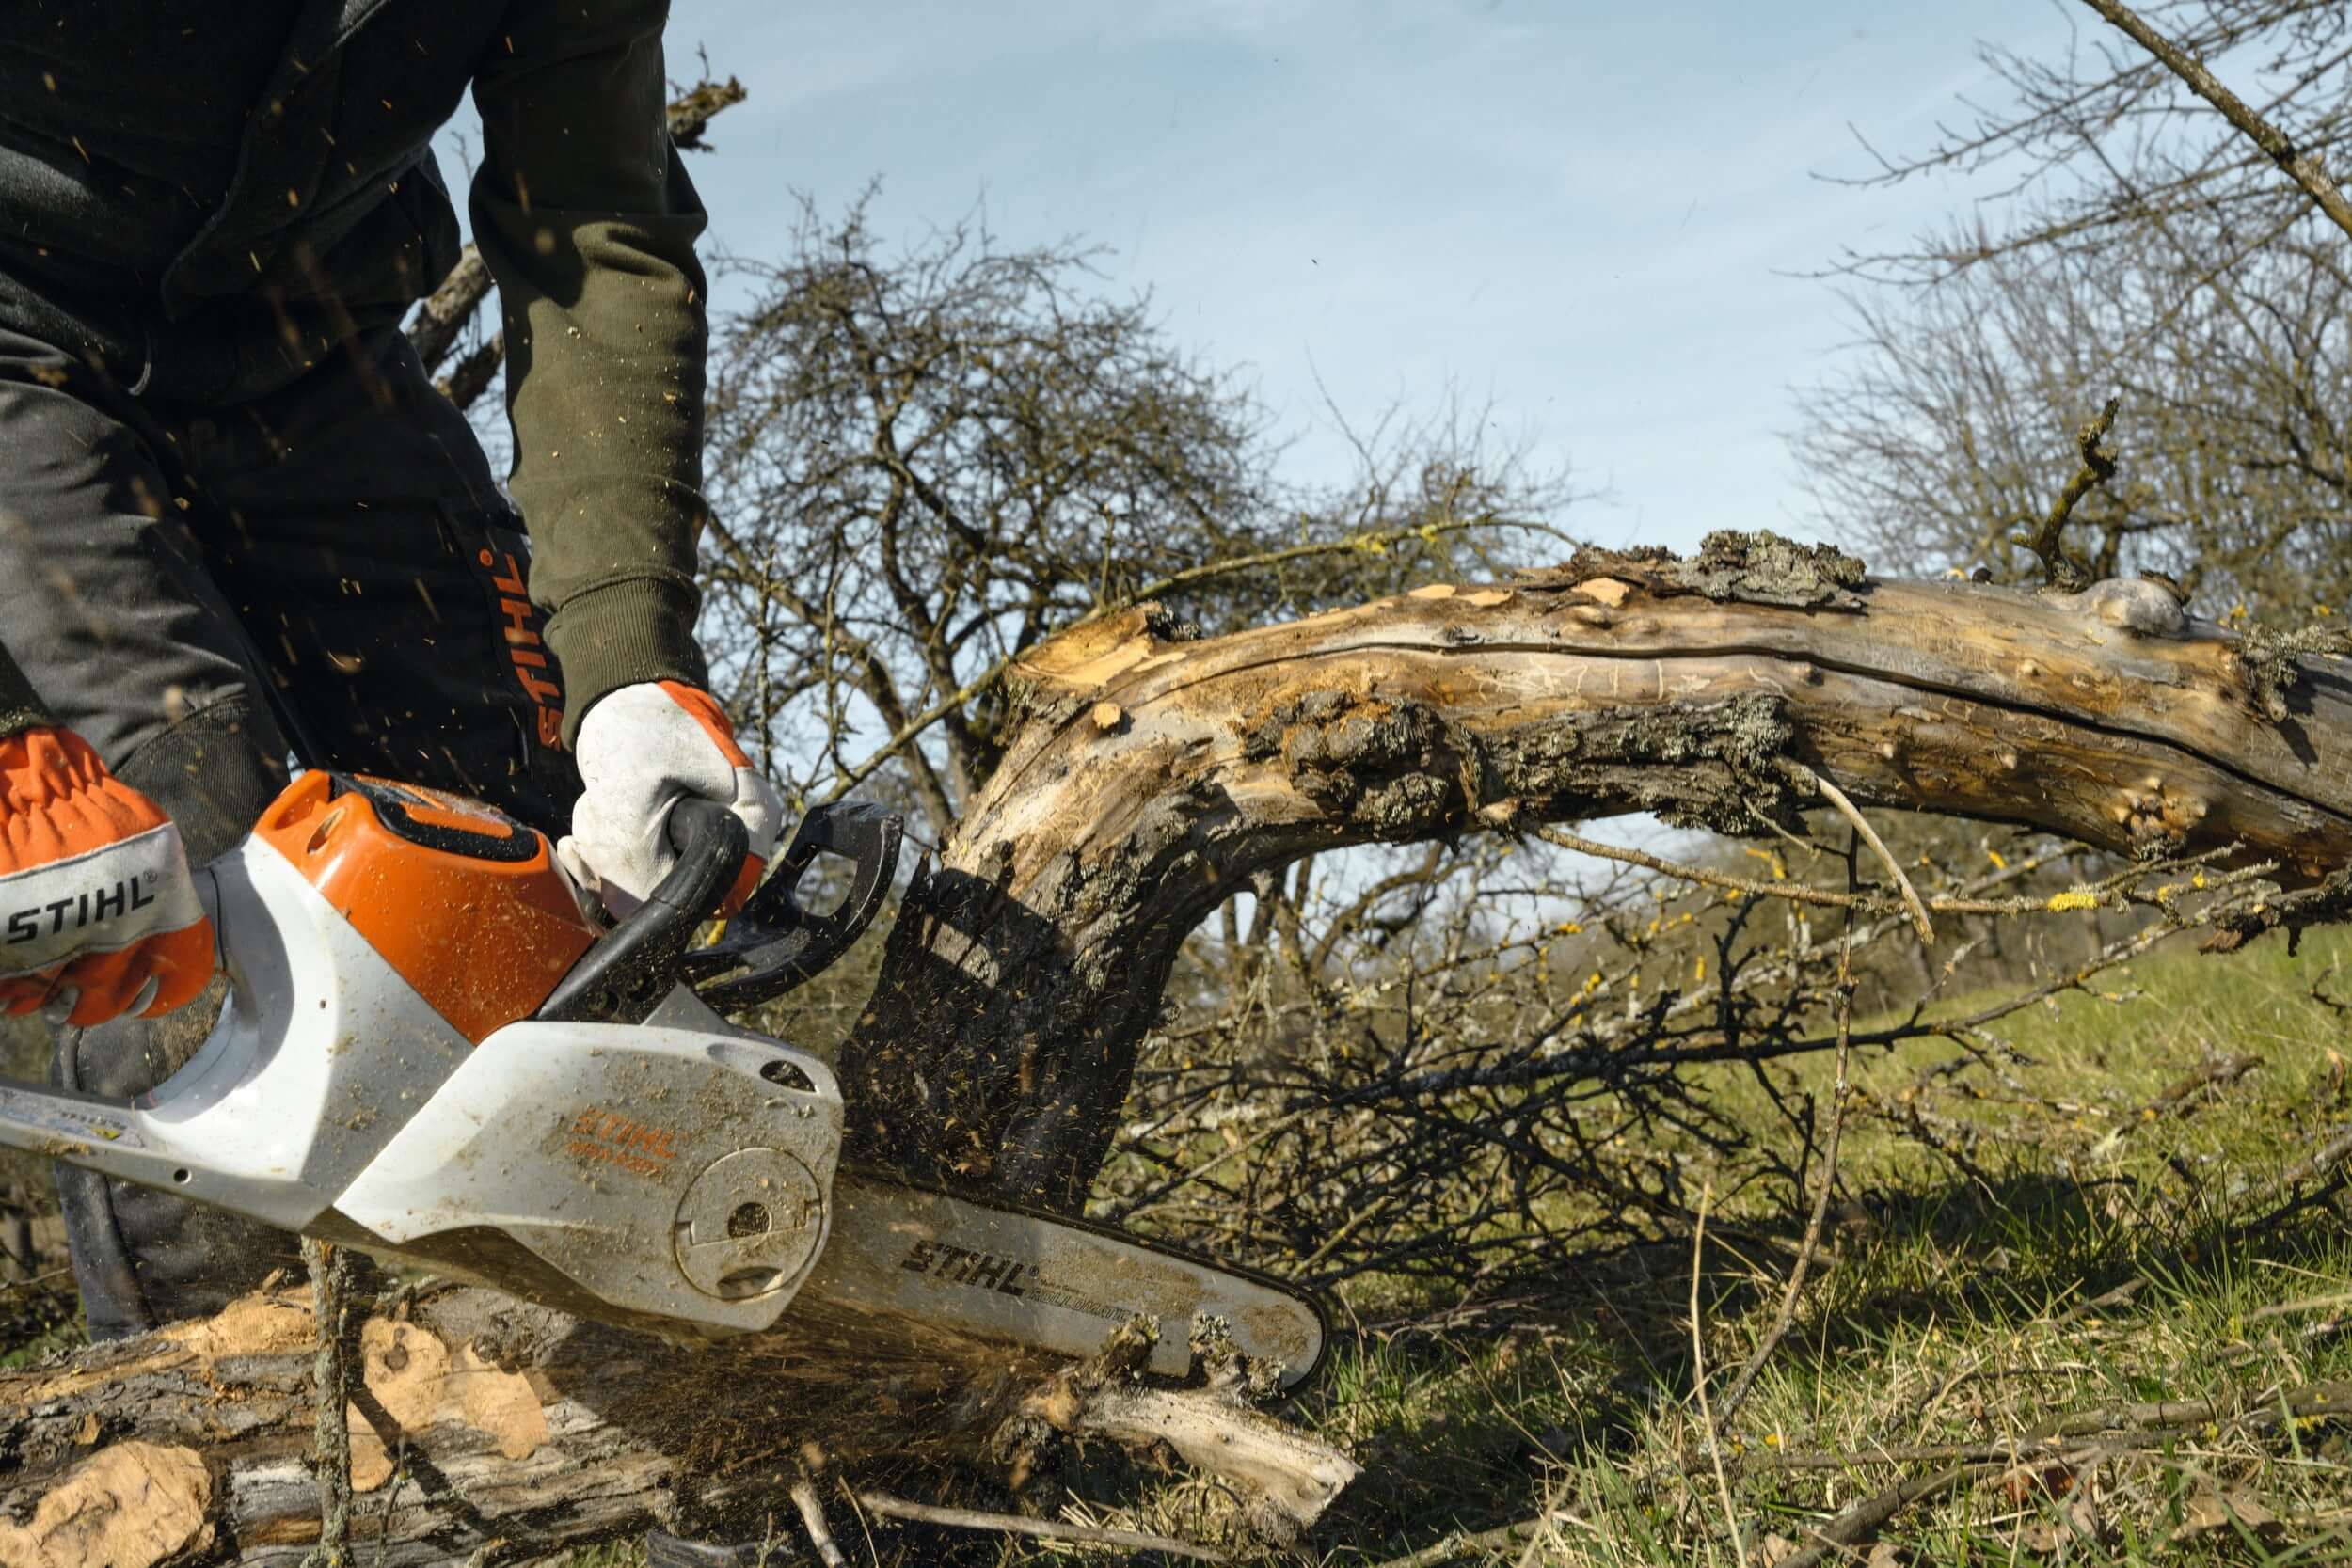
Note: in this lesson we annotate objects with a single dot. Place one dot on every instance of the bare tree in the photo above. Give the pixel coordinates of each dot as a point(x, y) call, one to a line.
point(2141, 244)
point(923, 463)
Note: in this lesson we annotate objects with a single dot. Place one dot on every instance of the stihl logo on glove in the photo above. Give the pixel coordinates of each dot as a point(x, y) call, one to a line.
point(100, 915)
point(71, 914)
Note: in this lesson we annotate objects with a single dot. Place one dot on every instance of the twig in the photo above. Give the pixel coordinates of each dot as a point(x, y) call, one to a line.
point(2299, 165)
point(1698, 1378)
point(804, 1496)
point(2059, 569)
point(330, 1282)
point(888, 1507)
point(1811, 1245)
point(1836, 797)
point(1456, 1543)
point(1861, 1518)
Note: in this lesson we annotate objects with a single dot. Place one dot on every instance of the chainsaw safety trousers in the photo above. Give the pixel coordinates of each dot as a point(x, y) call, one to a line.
point(642, 749)
point(98, 914)
point(197, 590)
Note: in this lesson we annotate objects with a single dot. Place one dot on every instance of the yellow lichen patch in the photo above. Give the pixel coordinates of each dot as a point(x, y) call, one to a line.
point(1107, 716)
point(128, 1506)
point(420, 1383)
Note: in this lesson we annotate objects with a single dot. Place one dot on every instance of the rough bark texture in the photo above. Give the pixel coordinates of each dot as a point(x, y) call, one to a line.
point(1154, 775)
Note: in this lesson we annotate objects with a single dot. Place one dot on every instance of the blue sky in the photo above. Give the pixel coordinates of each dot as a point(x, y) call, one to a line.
point(1588, 214)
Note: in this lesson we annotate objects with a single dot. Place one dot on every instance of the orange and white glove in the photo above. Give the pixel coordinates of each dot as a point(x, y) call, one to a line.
point(642, 749)
point(99, 916)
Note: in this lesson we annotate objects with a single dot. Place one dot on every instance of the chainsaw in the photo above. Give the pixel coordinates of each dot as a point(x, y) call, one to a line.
point(430, 1053)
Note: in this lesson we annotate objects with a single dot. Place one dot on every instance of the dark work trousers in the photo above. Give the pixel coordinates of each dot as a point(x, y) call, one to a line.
point(329, 570)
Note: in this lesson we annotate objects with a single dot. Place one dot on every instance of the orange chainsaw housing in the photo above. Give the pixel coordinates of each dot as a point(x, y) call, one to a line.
point(465, 904)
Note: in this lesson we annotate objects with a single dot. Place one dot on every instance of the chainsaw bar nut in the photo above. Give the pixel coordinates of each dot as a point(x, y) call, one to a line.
point(749, 1224)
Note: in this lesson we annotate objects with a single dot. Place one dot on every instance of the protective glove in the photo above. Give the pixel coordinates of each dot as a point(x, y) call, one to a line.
point(99, 916)
point(640, 750)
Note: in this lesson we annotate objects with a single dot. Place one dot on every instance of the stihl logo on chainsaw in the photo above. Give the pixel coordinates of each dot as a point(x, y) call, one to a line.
point(609, 1138)
point(960, 1266)
point(90, 908)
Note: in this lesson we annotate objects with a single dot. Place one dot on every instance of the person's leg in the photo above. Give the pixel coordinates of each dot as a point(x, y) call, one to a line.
point(106, 605)
point(343, 541)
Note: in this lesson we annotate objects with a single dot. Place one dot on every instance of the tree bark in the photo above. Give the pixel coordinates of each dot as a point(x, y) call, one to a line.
point(1154, 775)
point(479, 1420)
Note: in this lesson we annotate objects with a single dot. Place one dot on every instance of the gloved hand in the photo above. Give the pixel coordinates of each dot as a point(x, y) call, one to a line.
point(641, 749)
point(98, 914)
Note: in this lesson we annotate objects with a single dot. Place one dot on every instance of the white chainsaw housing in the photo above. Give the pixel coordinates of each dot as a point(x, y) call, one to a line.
point(676, 1174)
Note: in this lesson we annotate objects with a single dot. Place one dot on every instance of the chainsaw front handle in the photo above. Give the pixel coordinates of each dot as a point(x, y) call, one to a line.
point(625, 975)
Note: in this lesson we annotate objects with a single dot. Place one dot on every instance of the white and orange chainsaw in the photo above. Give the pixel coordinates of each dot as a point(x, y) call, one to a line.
point(431, 1053)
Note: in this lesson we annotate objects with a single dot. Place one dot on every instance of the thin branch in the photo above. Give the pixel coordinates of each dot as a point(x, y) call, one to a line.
point(1698, 1378)
point(330, 1287)
point(888, 1507)
point(2302, 165)
point(1836, 797)
point(1810, 1246)
point(812, 1514)
point(2059, 570)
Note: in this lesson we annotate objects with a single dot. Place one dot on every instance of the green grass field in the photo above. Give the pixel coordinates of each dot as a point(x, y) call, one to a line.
point(2106, 1245)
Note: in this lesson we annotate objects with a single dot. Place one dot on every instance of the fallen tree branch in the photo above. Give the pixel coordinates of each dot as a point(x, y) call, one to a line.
point(886, 1506)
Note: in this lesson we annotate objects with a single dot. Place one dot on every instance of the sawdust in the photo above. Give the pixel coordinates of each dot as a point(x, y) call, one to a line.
point(249, 1325)
point(420, 1383)
point(128, 1506)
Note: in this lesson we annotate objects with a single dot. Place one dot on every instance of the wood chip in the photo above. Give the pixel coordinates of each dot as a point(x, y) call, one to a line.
point(129, 1506)
point(1433, 591)
point(1108, 715)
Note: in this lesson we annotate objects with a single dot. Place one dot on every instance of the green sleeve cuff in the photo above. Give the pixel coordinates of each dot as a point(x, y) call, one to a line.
point(621, 633)
point(20, 707)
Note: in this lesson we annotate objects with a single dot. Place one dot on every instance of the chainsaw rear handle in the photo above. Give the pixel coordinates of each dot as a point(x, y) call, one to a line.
point(775, 941)
point(625, 975)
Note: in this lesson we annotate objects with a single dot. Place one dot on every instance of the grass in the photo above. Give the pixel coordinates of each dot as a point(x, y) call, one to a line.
point(2092, 1224)
point(2095, 1227)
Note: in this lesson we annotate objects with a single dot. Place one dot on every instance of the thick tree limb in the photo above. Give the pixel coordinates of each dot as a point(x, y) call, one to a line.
point(1028, 962)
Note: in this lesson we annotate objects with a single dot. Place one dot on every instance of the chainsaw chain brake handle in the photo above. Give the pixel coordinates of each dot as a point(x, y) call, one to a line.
point(776, 942)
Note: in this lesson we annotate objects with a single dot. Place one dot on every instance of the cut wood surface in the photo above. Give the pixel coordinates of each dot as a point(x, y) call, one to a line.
point(1154, 775)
